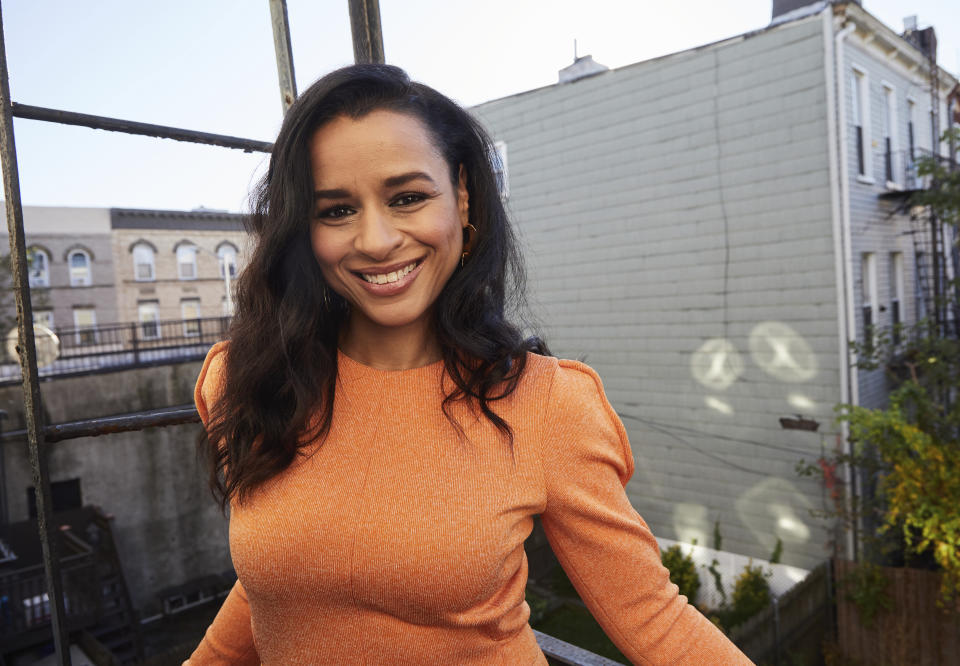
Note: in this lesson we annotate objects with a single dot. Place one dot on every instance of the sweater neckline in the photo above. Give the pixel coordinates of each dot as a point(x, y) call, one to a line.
point(351, 369)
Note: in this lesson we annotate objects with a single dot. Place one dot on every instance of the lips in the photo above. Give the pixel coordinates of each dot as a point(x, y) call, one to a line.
point(389, 280)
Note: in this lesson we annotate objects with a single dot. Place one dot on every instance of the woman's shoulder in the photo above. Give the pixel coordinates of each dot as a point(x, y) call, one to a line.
point(561, 373)
point(210, 381)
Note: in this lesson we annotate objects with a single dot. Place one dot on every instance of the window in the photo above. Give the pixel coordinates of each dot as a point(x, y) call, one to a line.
point(38, 262)
point(889, 133)
point(44, 318)
point(79, 263)
point(499, 162)
point(190, 313)
point(187, 262)
point(149, 317)
point(227, 307)
point(896, 295)
point(228, 258)
point(143, 262)
point(64, 495)
point(861, 121)
point(868, 297)
point(85, 322)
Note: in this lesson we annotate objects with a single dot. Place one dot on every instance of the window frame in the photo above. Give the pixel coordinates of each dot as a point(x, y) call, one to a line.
point(149, 307)
point(869, 305)
point(224, 249)
point(85, 280)
point(41, 281)
point(85, 334)
point(144, 247)
point(191, 325)
point(891, 139)
point(183, 248)
point(861, 112)
point(896, 296)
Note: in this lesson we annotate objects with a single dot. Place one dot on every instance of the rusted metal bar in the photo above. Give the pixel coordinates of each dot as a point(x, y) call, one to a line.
point(133, 127)
point(28, 362)
point(367, 35)
point(281, 44)
point(128, 422)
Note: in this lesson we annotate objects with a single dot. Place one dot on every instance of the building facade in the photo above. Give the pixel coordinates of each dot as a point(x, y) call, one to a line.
point(697, 228)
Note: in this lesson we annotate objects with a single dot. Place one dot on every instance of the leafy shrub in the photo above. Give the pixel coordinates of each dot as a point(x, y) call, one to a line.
point(683, 572)
point(751, 593)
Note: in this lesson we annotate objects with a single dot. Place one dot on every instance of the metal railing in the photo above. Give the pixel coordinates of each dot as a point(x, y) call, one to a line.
point(120, 346)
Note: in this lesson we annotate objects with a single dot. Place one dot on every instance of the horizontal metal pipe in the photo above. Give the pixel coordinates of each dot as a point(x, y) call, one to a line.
point(113, 424)
point(132, 127)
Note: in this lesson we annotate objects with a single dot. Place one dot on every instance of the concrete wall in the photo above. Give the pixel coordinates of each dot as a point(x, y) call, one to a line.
point(168, 528)
point(676, 220)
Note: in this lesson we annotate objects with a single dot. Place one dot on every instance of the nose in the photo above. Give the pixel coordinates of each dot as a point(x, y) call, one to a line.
point(377, 237)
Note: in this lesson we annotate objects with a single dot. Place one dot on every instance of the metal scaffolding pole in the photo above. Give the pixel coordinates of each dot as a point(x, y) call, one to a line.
point(281, 44)
point(28, 363)
point(367, 35)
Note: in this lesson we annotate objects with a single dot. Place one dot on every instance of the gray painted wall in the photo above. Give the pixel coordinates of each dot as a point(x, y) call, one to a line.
point(676, 220)
point(168, 528)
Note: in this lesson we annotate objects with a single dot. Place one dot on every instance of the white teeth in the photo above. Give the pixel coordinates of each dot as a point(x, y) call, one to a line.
point(383, 278)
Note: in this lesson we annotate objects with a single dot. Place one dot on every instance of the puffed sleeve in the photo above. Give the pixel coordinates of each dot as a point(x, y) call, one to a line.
point(229, 639)
point(604, 546)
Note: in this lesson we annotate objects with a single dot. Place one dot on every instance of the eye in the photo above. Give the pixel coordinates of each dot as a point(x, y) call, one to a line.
point(334, 213)
point(408, 199)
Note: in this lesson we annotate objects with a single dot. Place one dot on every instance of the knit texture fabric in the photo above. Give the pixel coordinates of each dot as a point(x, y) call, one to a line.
point(398, 540)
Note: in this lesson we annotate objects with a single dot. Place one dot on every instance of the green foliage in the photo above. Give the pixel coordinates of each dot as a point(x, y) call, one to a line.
point(718, 580)
point(777, 552)
point(866, 586)
point(683, 572)
point(717, 537)
point(538, 606)
point(943, 194)
point(751, 593)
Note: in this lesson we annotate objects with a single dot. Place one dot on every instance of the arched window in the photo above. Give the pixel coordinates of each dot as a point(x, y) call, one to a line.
point(79, 263)
point(39, 267)
point(187, 262)
point(143, 262)
point(228, 259)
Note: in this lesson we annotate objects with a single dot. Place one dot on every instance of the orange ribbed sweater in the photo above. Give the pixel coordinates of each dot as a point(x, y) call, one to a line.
point(397, 542)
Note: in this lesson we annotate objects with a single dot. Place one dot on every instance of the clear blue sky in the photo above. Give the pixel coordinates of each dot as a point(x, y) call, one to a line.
point(209, 65)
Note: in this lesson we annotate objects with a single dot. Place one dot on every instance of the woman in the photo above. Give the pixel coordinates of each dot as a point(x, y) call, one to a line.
point(384, 435)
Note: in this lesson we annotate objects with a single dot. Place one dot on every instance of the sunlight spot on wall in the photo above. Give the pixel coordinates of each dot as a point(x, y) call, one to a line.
point(720, 405)
point(716, 364)
point(801, 402)
point(690, 523)
point(782, 352)
point(774, 508)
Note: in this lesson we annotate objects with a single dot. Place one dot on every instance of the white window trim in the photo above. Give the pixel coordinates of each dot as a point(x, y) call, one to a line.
point(890, 102)
point(861, 82)
point(152, 263)
point(87, 279)
point(224, 250)
point(46, 315)
point(180, 264)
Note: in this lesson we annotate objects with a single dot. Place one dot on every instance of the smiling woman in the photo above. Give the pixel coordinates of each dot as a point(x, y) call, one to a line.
point(384, 435)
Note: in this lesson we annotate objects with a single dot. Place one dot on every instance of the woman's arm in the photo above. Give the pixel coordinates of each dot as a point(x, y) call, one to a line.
point(604, 546)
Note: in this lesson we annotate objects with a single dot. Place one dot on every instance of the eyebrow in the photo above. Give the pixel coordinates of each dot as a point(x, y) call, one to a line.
point(392, 181)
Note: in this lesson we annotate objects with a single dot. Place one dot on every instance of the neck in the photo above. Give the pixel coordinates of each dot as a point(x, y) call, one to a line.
point(390, 348)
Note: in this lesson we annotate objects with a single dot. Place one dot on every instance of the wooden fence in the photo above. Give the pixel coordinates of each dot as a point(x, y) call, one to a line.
point(913, 631)
point(792, 629)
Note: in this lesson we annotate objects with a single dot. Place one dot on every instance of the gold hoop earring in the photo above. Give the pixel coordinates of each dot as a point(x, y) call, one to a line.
point(467, 242)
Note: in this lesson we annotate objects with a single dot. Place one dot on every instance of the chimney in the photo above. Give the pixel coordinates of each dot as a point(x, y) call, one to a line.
point(582, 67)
point(925, 40)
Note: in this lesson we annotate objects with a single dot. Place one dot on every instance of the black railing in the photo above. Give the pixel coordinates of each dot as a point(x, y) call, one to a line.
point(117, 346)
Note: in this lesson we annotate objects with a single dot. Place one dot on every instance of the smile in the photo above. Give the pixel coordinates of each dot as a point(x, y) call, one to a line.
point(392, 276)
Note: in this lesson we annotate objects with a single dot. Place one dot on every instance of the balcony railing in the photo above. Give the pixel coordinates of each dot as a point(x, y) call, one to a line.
point(904, 164)
point(117, 346)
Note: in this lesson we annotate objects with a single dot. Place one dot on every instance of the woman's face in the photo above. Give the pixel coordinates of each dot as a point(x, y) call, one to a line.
point(388, 223)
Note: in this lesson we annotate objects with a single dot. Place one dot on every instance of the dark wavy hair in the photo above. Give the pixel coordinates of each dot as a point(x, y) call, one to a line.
point(281, 367)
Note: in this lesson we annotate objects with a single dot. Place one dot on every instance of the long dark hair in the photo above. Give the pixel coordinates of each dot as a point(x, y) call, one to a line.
point(281, 367)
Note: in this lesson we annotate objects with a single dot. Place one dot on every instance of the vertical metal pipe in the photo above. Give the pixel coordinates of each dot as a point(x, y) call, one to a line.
point(284, 50)
point(28, 361)
point(367, 35)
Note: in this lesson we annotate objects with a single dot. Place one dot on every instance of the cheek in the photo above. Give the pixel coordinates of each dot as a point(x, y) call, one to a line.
point(324, 250)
